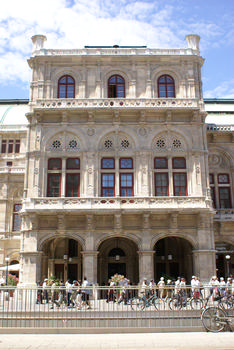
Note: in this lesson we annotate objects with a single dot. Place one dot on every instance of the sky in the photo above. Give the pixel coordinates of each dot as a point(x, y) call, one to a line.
point(155, 23)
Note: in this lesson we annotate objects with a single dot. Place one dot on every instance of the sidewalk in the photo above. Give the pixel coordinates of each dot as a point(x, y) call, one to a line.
point(133, 341)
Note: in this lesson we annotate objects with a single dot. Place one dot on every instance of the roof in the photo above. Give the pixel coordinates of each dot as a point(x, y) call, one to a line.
point(12, 113)
point(220, 111)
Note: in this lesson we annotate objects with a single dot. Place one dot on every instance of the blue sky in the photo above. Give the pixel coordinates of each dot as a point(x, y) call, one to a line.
point(155, 23)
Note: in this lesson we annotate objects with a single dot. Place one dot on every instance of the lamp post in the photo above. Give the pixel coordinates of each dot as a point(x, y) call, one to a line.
point(7, 259)
point(227, 257)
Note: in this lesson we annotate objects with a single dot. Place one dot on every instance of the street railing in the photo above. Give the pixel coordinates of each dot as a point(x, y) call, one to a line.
point(106, 307)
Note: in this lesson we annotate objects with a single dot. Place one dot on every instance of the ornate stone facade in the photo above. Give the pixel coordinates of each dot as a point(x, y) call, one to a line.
point(94, 163)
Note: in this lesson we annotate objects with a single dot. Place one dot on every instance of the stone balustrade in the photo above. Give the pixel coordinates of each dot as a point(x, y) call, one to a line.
point(12, 170)
point(114, 203)
point(224, 214)
point(126, 103)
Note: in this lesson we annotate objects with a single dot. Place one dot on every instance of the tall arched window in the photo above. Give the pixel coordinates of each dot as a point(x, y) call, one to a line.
point(66, 87)
point(166, 86)
point(116, 86)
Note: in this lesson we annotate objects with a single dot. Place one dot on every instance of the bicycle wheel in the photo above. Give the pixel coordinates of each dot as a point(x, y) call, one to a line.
point(159, 304)
point(212, 319)
point(174, 304)
point(196, 303)
point(137, 304)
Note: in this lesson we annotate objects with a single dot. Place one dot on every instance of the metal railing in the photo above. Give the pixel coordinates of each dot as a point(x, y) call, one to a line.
point(106, 308)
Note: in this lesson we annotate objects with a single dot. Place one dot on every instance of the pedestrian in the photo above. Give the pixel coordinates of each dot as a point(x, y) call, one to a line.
point(53, 294)
point(45, 290)
point(86, 292)
point(161, 286)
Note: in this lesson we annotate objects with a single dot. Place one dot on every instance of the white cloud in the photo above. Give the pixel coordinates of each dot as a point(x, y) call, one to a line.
point(224, 90)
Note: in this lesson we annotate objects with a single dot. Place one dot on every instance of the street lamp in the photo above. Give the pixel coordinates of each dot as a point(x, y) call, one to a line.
point(227, 257)
point(7, 259)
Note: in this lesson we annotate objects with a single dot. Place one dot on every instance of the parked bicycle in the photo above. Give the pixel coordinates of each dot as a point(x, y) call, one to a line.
point(215, 319)
point(142, 302)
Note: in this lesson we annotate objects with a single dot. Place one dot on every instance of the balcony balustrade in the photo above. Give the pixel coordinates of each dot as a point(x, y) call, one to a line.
point(224, 215)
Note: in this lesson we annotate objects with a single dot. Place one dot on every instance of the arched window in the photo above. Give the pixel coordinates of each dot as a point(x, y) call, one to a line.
point(166, 86)
point(116, 87)
point(66, 87)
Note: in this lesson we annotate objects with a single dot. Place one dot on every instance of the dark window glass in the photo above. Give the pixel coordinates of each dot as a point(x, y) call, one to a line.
point(54, 182)
point(10, 146)
point(212, 193)
point(179, 163)
point(108, 163)
point(73, 163)
point(73, 248)
point(125, 163)
point(161, 184)
point(126, 185)
point(54, 164)
point(223, 178)
point(211, 179)
point(160, 163)
point(66, 87)
point(116, 87)
point(108, 185)
point(4, 143)
point(224, 198)
point(116, 251)
point(17, 217)
point(17, 146)
point(73, 185)
point(166, 86)
point(180, 184)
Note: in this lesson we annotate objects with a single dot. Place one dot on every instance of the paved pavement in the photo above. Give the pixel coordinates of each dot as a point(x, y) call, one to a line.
point(125, 341)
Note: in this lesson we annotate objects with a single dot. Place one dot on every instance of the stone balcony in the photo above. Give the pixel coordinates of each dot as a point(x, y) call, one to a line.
point(12, 170)
point(224, 215)
point(118, 103)
point(49, 204)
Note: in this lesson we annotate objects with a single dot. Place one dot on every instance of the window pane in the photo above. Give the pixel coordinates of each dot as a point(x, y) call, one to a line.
point(126, 163)
point(120, 79)
point(73, 163)
point(16, 222)
point(108, 183)
point(54, 164)
point(160, 163)
point(212, 193)
point(17, 207)
point(70, 80)
point(161, 185)
point(17, 146)
point(54, 185)
point(126, 185)
point(223, 179)
point(211, 178)
point(224, 198)
point(73, 185)
point(179, 163)
point(10, 146)
point(3, 146)
point(180, 185)
point(108, 163)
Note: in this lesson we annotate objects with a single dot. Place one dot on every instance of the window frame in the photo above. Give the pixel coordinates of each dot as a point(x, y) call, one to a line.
point(67, 168)
point(78, 184)
point(163, 168)
point(105, 187)
point(66, 84)
point(107, 158)
point(48, 184)
point(166, 84)
point(54, 169)
point(127, 158)
point(155, 183)
point(115, 84)
point(178, 168)
point(121, 187)
point(174, 186)
point(16, 215)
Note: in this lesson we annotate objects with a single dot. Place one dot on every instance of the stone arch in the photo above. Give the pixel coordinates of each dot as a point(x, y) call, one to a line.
point(124, 264)
point(220, 158)
point(124, 141)
point(48, 237)
point(224, 257)
point(189, 238)
point(76, 75)
point(166, 71)
point(131, 236)
point(168, 137)
point(117, 71)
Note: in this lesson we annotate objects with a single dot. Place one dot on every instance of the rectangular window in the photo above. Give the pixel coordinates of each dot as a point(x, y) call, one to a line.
point(16, 217)
point(73, 163)
point(108, 185)
point(212, 193)
point(4, 144)
point(54, 185)
point(73, 185)
point(179, 163)
point(17, 146)
point(161, 184)
point(125, 163)
point(54, 164)
point(10, 146)
point(160, 163)
point(126, 185)
point(224, 198)
point(223, 179)
point(108, 163)
point(211, 179)
point(180, 184)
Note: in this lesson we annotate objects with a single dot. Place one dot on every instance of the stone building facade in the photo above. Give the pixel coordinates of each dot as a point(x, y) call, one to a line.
point(115, 169)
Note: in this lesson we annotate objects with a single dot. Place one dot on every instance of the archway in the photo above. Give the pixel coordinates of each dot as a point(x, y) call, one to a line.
point(224, 259)
point(118, 255)
point(62, 258)
point(173, 258)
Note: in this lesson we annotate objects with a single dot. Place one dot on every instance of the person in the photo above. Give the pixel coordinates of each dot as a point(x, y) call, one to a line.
point(144, 288)
point(62, 292)
point(53, 294)
point(45, 290)
point(161, 286)
point(193, 283)
point(151, 287)
point(39, 293)
point(183, 289)
point(222, 286)
point(177, 285)
point(74, 293)
point(85, 292)
point(111, 291)
point(68, 286)
point(168, 290)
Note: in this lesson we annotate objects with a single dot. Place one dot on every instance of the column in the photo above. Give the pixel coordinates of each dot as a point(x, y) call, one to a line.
point(204, 264)
point(30, 268)
point(90, 265)
point(146, 264)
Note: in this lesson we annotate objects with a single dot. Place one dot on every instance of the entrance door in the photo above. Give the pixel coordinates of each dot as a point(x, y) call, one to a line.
point(72, 272)
point(119, 268)
point(59, 271)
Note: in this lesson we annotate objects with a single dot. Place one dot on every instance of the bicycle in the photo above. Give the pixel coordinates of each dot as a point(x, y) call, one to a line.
point(140, 303)
point(215, 319)
point(178, 301)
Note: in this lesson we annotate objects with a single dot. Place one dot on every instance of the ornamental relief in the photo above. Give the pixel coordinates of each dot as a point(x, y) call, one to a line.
point(168, 142)
point(215, 160)
point(112, 142)
point(64, 142)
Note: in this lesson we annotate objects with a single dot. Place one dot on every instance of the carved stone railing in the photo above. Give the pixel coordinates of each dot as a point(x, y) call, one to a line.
point(224, 214)
point(116, 51)
point(12, 170)
point(129, 103)
point(225, 128)
point(115, 203)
